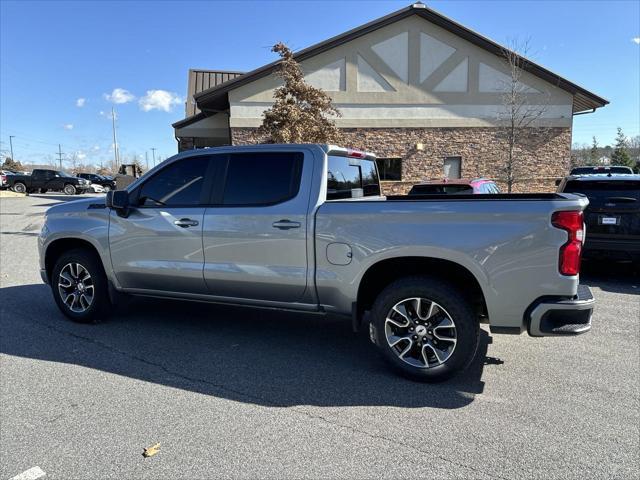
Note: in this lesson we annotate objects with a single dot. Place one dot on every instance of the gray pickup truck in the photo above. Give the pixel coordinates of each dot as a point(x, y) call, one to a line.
point(305, 228)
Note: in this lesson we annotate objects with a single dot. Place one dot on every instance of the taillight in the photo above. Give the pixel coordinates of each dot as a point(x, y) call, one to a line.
point(572, 223)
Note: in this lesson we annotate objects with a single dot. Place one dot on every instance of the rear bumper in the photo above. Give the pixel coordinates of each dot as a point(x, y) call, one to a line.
point(607, 248)
point(549, 317)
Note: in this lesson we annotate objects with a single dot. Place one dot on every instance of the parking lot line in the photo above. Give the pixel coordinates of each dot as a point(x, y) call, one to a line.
point(31, 474)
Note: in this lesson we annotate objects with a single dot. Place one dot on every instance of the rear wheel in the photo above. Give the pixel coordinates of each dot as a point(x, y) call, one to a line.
point(19, 187)
point(425, 329)
point(79, 286)
point(69, 189)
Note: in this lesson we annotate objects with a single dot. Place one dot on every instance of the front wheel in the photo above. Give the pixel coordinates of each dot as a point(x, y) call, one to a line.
point(69, 189)
point(106, 188)
point(425, 328)
point(19, 187)
point(79, 286)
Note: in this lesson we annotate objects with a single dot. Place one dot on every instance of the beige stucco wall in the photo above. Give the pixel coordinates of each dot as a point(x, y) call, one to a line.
point(409, 103)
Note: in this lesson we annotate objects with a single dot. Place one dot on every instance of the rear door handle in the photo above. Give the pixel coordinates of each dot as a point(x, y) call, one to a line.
point(286, 224)
point(186, 222)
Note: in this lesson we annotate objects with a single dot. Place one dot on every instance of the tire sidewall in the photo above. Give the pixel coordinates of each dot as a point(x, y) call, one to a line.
point(467, 325)
point(100, 303)
point(69, 189)
point(19, 187)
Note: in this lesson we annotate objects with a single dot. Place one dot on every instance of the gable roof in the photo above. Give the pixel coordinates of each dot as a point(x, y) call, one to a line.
point(216, 99)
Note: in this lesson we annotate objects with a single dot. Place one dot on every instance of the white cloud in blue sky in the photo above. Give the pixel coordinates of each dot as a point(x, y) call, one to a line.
point(159, 100)
point(68, 126)
point(636, 40)
point(119, 95)
point(80, 102)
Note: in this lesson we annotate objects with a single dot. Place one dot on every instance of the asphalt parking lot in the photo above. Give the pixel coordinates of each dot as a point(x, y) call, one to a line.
point(241, 393)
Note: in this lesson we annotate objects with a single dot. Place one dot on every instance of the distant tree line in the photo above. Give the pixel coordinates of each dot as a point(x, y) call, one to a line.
point(625, 151)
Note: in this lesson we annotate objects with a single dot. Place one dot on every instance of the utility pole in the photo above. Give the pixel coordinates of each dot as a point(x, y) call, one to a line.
point(116, 156)
point(153, 151)
point(11, 137)
point(146, 159)
point(60, 155)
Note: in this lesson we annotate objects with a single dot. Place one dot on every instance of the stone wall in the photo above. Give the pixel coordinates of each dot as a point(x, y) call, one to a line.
point(542, 153)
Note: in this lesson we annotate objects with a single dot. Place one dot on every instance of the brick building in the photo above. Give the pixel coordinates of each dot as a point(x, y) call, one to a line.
point(421, 91)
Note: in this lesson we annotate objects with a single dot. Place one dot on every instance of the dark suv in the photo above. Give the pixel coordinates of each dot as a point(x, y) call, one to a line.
point(613, 214)
point(104, 182)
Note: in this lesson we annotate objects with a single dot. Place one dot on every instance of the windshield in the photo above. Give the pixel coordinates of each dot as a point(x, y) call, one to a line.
point(65, 174)
point(440, 189)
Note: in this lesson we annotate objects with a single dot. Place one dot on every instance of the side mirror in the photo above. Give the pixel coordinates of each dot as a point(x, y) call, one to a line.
point(117, 199)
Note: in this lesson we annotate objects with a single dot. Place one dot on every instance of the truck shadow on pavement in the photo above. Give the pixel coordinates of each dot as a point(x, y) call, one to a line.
point(261, 357)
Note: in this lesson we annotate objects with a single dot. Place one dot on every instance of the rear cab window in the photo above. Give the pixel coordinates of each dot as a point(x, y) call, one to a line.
point(349, 177)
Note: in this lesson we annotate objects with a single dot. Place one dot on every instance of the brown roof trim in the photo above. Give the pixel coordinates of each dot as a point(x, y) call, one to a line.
point(189, 120)
point(216, 99)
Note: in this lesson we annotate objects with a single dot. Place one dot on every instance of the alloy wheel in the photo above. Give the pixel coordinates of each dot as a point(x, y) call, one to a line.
point(420, 332)
point(75, 287)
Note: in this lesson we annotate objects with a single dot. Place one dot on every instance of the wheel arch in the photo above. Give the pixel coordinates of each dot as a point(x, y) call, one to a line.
point(382, 273)
point(61, 245)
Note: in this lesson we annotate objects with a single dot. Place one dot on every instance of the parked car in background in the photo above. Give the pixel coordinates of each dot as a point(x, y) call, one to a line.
point(4, 182)
point(459, 186)
point(306, 228)
point(613, 215)
point(619, 169)
point(107, 184)
point(43, 180)
point(95, 188)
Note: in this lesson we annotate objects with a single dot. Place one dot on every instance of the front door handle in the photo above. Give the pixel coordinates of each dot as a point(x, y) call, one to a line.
point(286, 224)
point(186, 222)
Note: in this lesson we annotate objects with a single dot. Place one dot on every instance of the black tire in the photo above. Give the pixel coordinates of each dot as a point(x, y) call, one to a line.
point(19, 187)
point(42, 190)
point(458, 308)
point(69, 189)
point(100, 305)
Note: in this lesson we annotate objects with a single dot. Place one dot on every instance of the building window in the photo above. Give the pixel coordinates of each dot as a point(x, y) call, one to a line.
point(452, 167)
point(390, 168)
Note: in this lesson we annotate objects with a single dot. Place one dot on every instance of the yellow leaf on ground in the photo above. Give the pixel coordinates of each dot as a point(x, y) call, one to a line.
point(152, 450)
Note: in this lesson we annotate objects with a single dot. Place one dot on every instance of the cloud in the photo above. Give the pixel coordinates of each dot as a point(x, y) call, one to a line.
point(636, 40)
point(68, 126)
point(95, 148)
point(108, 114)
point(119, 95)
point(159, 100)
point(80, 155)
point(80, 102)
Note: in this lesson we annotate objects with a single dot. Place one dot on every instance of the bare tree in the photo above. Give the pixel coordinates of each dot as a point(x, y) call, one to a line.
point(518, 113)
point(300, 112)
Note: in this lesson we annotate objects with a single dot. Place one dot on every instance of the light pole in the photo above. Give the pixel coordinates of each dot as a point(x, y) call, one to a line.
point(153, 152)
point(115, 139)
point(11, 137)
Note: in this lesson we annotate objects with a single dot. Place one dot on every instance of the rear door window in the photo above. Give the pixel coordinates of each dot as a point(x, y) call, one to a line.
point(262, 178)
point(351, 178)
